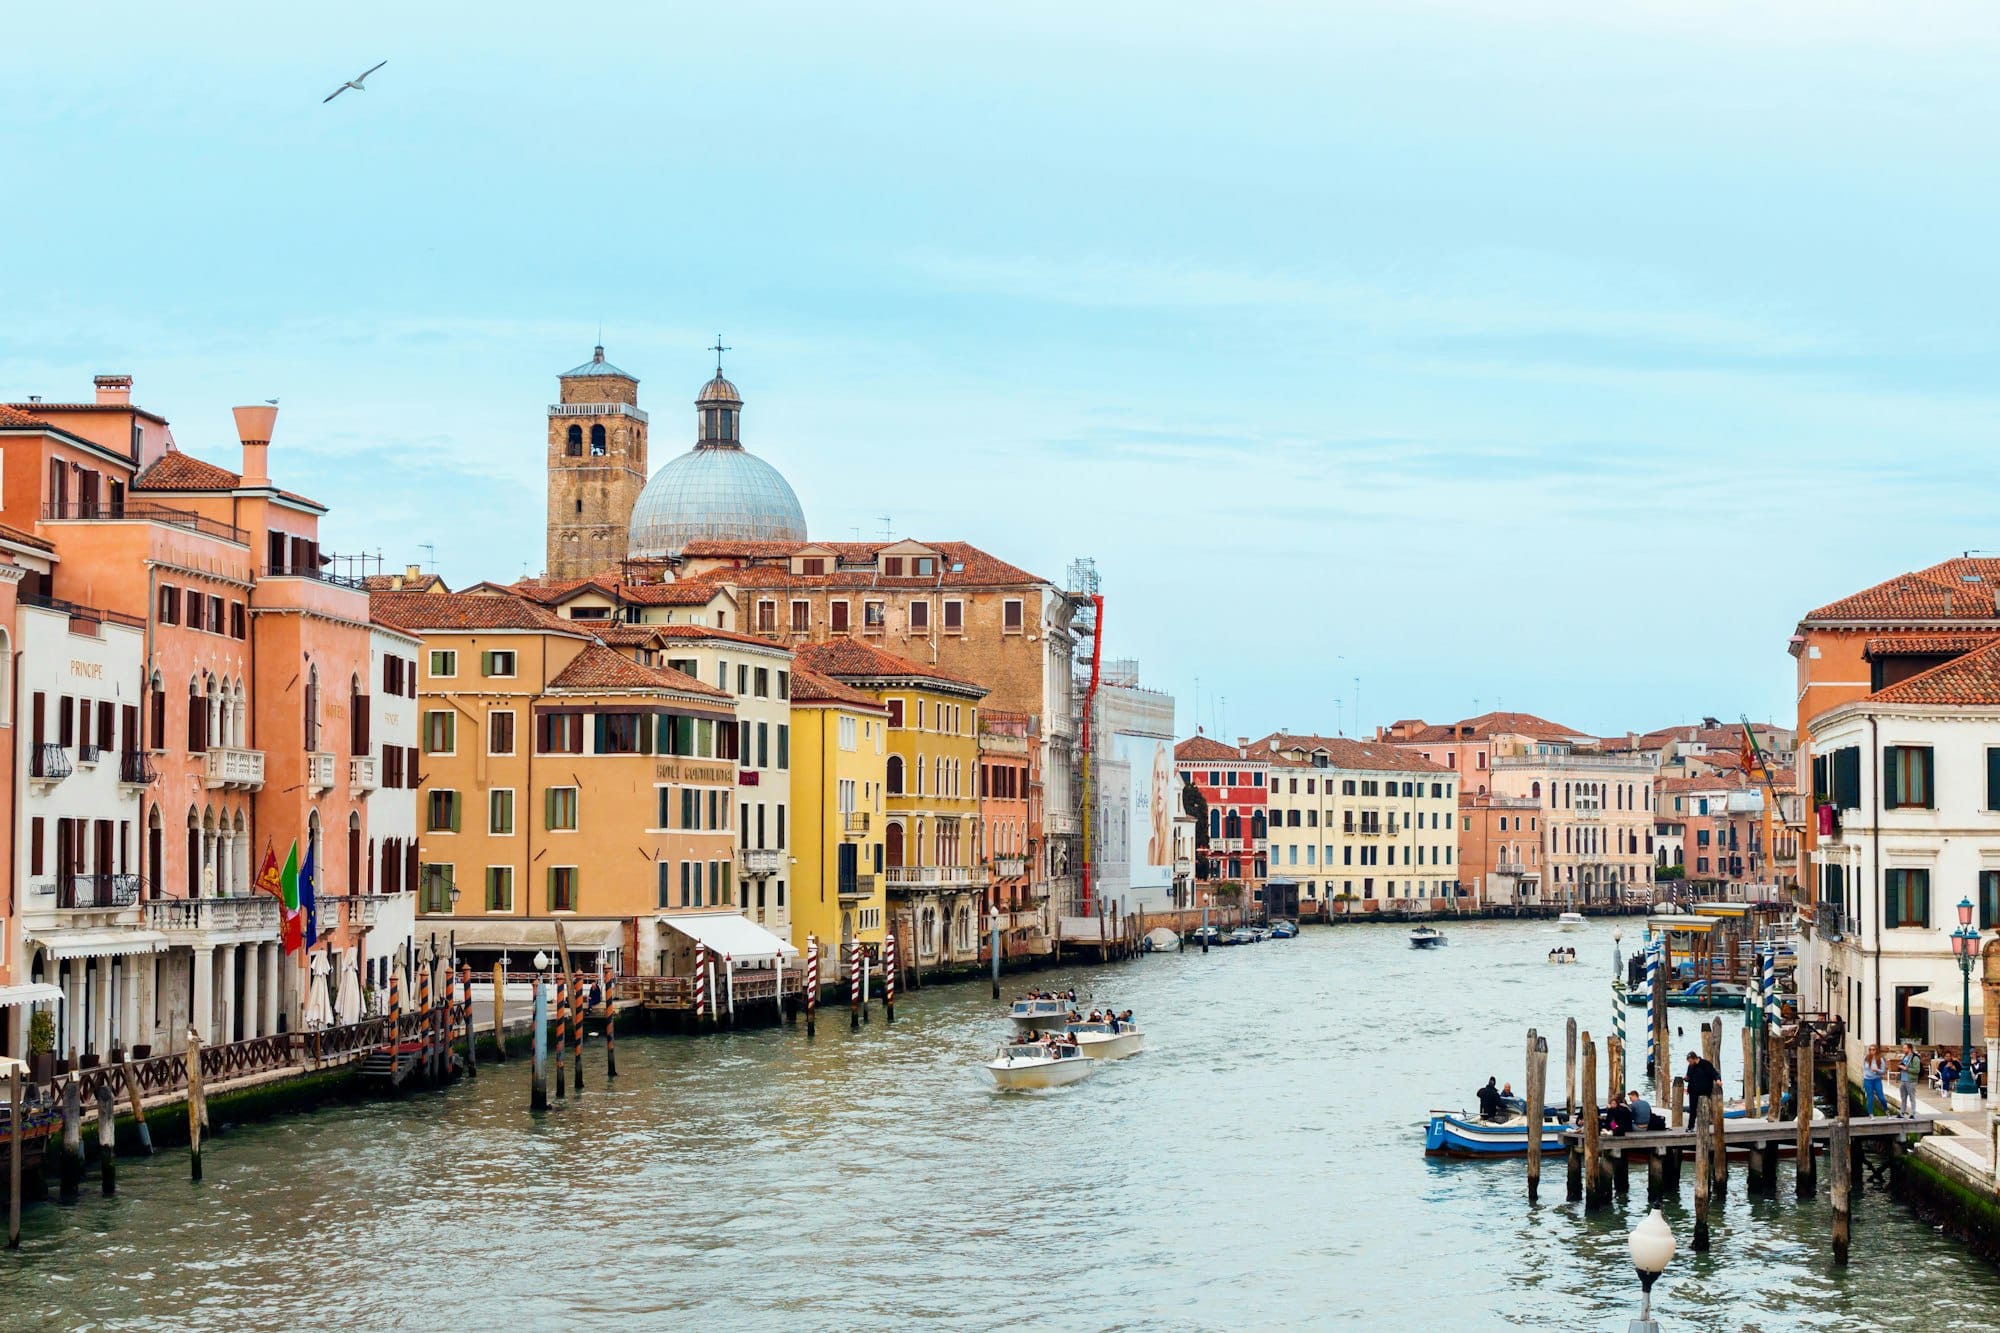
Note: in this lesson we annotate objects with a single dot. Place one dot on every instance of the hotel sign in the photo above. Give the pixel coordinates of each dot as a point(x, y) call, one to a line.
point(694, 771)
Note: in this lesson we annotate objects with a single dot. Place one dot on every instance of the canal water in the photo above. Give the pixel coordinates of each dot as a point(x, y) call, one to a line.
point(1260, 1166)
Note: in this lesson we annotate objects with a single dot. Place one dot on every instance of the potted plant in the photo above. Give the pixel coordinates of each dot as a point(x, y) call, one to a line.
point(42, 1046)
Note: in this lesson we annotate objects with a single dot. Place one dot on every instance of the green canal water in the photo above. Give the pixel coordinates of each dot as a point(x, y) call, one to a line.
point(1260, 1166)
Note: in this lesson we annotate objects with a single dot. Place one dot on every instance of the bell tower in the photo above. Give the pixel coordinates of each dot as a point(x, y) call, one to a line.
point(597, 467)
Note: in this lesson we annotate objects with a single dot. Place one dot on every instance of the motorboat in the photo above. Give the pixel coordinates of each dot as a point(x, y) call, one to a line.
point(1108, 1041)
point(1426, 937)
point(1259, 934)
point(1572, 921)
point(1698, 995)
point(1240, 935)
point(1284, 930)
point(1204, 934)
point(1040, 1013)
point(1021, 1065)
point(1465, 1134)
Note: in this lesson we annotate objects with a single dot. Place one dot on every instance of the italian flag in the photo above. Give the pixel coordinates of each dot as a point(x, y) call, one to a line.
point(288, 895)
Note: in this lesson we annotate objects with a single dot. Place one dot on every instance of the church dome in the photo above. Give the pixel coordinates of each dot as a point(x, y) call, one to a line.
point(717, 491)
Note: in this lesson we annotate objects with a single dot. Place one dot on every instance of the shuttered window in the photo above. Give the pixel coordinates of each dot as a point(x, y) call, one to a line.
point(1846, 773)
point(1906, 898)
point(1989, 899)
point(1907, 777)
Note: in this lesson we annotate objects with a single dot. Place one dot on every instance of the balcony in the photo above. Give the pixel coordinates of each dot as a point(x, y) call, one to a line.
point(1183, 867)
point(49, 764)
point(859, 886)
point(89, 754)
point(135, 769)
point(96, 893)
point(361, 908)
point(854, 823)
point(255, 912)
point(1010, 867)
point(1509, 868)
point(235, 770)
point(90, 616)
point(320, 767)
point(934, 877)
point(317, 573)
point(760, 862)
point(361, 774)
point(596, 410)
point(128, 511)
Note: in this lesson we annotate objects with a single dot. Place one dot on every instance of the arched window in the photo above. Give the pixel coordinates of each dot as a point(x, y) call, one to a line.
point(155, 853)
point(574, 447)
point(1215, 823)
point(1257, 824)
point(354, 871)
point(892, 844)
point(1232, 825)
point(1535, 790)
point(895, 783)
point(197, 728)
point(597, 441)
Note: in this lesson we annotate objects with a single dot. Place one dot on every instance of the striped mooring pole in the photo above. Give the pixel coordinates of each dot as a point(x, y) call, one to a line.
point(700, 982)
point(854, 987)
point(889, 977)
point(1652, 1001)
point(1767, 982)
point(812, 981)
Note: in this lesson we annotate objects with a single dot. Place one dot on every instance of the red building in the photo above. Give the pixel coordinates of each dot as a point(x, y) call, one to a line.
point(1236, 784)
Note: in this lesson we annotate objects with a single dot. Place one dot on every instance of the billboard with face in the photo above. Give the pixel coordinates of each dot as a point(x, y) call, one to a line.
point(1154, 795)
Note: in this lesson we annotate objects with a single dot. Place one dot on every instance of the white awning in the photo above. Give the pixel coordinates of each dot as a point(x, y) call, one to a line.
point(731, 935)
point(112, 943)
point(33, 992)
point(1944, 1002)
point(499, 932)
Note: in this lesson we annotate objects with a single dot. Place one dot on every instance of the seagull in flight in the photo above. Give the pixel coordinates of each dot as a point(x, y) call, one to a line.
point(354, 83)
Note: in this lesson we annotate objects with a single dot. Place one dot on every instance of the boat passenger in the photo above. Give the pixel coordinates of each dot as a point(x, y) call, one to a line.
point(1490, 1105)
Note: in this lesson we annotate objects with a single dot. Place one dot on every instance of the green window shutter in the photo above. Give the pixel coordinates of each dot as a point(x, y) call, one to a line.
point(1892, 776)
point(454, 812)
point(549, 808)
point(1993, 779)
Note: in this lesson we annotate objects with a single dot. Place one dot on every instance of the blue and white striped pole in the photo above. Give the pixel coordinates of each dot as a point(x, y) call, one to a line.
point(1768, 982)
point(1652, 1001)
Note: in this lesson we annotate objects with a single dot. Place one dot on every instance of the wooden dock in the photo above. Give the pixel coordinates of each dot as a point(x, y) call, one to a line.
point(1743, 1135)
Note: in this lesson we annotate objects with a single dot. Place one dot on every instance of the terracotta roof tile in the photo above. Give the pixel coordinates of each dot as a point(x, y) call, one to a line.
point(1924, 645)
point(450, 611)
point(601, 668)
point(964, 565)
point(1343, 752)
point(1206, 749)
point(1968, 680)
point(133, 408)
point(851, 659)
point(553, 592)
point(176, 471)
point(21, 538)
point(404, 583)
point(1957, 589)
point(696, 633)
point(809, 687)
point(14, 418)
point(1488, 725)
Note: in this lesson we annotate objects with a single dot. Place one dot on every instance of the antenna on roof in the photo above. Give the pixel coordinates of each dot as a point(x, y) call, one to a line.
point(430, 556)
point(886, 528)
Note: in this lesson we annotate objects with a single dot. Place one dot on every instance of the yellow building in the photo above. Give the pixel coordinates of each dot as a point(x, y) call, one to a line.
point(561, 780)
point(930, 826)
point(840, 763)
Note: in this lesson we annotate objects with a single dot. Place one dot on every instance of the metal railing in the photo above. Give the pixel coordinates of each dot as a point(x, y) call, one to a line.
point(97, 892)
point(136, 767)
point(313, 572)
point(50, 763)
point(152, 513)
point(88, 754)
point(854, 821)
point(78, 611)
point(858, 886)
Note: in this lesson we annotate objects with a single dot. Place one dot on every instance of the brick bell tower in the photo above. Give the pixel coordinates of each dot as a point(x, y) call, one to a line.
point(597, 467)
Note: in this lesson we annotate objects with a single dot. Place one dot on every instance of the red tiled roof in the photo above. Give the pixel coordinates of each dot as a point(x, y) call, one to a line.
point(1488, 725)
point(13, 417)
point(21, 538)
point(963, 565)
point(851, 658)
point(1924, 645)
point(404, 583)
point(1971, 679)
point(465, 611)
point(553, 592)
point(601, 668)
point(809, 687)
point(621, 635)
point(1344, 753)
point(692, 633)
point(1957, 589)
point(133, 408)
point(1205, 749)
point(176, 471)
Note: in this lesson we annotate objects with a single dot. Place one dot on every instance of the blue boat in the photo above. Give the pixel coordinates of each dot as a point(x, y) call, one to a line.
point(1457, 1134)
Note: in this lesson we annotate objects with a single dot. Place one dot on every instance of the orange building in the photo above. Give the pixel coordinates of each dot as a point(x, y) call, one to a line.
point(1006, 823)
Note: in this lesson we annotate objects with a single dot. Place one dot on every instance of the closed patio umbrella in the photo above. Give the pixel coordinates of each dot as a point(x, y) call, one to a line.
point(348, 1006)
point(319, 1008)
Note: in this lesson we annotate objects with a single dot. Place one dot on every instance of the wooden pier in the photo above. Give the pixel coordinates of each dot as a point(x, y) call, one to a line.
point(1743, 1135)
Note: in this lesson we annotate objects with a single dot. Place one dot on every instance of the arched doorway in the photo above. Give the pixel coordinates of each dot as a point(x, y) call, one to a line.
point(892, 845)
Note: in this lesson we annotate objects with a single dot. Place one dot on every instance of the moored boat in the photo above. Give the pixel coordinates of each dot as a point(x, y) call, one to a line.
point(1107, 1040)
point(1284, 930)
point(1041, 1013)
point(1426, 937)
point(1038, 1064)
point(1462, 1134)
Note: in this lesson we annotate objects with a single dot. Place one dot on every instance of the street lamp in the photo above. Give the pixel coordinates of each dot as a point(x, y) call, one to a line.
point(1652, 1246)
point(1965, 943)
point(454, 897)
point(541, 961)
point(1618, 950)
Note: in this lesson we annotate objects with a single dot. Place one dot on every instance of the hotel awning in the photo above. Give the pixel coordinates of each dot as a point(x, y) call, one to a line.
point(1946, 1002)
point(592, 936)
point(730, 934)
point(33, 992)
point(112, 943)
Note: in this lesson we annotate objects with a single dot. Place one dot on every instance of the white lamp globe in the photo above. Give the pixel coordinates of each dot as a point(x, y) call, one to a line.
point(541, 960)
point(1652, 1244)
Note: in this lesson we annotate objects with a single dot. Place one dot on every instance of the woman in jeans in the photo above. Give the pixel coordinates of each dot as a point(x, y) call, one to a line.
point(1913, 1069)
point(1874, 1069)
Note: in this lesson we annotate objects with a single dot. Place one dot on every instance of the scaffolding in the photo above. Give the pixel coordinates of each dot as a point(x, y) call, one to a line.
point(1086, 598)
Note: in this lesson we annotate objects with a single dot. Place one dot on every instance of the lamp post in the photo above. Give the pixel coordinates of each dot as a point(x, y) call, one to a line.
point(1652, 1246)
point(1965, 943)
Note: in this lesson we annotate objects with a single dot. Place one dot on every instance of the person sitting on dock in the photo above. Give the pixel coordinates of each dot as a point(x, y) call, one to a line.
point(1619, 1116)
point(1642, 1111)
point(1491, 1106)
point(1702, 1079)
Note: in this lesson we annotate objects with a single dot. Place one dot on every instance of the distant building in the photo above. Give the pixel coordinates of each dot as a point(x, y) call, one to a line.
point(1500, 850)
point(1364, 826)
point(1233, 855)
point(1137, 793)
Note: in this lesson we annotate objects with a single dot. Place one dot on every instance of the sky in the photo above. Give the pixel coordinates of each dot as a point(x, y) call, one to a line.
point(1390, 360)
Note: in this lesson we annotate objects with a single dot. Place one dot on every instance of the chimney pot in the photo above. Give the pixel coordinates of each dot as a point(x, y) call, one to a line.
point(410, 572)
point(253, 427)
point(113, 390)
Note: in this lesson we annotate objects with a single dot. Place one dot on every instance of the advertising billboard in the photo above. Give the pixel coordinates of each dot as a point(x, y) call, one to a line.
point(1152, 812)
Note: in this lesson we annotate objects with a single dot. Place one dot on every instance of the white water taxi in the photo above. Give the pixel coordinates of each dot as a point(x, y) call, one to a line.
point(1571, 921)
point(1426, 937)
point(1041, 1013)
point(1038, 1064)
point(1107, 1041)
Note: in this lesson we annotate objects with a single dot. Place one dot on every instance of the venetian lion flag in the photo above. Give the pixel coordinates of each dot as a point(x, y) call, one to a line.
point(267, 875)
point(288, 879)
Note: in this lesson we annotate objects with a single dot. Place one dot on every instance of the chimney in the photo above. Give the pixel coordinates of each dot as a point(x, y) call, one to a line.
point(253, 427)
point(412, 573)
point(114, 390)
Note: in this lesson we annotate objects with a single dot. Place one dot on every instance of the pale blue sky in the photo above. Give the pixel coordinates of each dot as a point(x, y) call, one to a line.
point(1525, 352)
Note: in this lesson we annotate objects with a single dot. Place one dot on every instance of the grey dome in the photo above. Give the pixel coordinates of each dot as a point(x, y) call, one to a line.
point(714, 493)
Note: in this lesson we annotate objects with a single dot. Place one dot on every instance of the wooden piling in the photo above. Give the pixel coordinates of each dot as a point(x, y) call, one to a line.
point(1536, 1060)
point(1775, 1071)
point(1614, 1051)
point(107, 1139)
point(1842, 1165)
point(538, 1073)
point(1663, 1068)
point(1569, 1072)
point(1656, 1173)
point(1749, 1071)
point(1704, 1137)
point(1678, 1111)
point(610, 1040)
point(1714, 1110)
point(194, 1103)
point(138, 1108)
point(1803, 1097)
point(579, 1012)
point(1596, 1191)
point(14, 1157)
point(70, 1166)
point(499, 1013)
point(559, 1018)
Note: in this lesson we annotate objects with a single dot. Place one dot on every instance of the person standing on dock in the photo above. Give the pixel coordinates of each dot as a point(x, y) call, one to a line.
point(1874, 1071)
point(1702, 1081)
point(1912, 1070)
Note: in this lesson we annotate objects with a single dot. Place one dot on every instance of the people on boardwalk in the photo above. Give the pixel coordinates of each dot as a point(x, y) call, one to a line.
point(1491, 1105)
point(1702, 1080)
point(1979, 1070)
point(1642, 1111)
point(1947, 1073)
point(1912, 1069)
point(1619, 1116)
point(1874, 1069)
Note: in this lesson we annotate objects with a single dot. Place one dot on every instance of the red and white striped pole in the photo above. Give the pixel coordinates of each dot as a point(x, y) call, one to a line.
point(854, 988)
point(700, 981)
point(812, 981)
point(889, 977)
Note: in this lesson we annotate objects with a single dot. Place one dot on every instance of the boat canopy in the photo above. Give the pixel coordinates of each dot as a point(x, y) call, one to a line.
point(732, 935)
point(1690, 924)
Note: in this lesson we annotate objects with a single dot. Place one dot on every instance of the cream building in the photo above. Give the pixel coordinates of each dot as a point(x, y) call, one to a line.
point(1367, 825)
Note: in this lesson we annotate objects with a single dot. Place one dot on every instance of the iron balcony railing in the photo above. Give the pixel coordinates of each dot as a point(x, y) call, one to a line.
point(136, 767)
point(96, 892)
point(857, 886)
point(77, 611)
point(50, 763)
point(854, 821)
point(316, 573)
point(88, 754)
point(152, 513)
